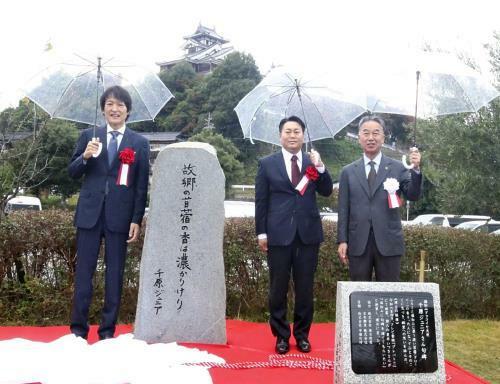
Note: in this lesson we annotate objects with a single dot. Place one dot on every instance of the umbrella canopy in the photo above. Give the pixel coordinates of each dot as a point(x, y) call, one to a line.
point(70, 89)
point(282, 93)
point(428, 85)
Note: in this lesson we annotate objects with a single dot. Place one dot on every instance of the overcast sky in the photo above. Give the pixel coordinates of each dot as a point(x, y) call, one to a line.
point(273, 31)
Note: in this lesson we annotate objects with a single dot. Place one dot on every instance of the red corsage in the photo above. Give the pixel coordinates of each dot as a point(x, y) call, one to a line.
point(312, 173)
point(127, 157)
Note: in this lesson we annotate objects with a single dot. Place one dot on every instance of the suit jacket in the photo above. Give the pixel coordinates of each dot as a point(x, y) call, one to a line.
point(280, 210)
point(358, 209)
point(124, 204)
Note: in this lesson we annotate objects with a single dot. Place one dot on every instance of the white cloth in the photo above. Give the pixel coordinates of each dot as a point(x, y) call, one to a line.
point(123, 359)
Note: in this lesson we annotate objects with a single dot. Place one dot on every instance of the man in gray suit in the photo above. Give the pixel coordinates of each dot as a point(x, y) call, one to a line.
point(370, 235)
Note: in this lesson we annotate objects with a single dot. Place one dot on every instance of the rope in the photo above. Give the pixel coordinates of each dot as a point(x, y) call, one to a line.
point(279, 361)
point(275, 361)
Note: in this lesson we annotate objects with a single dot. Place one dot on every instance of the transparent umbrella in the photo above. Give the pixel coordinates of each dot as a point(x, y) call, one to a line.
point(283, 93)
point(427, 85)
point(71, 89)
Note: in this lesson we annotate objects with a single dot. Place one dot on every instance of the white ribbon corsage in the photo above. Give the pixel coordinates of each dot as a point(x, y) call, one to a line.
point(391, 185)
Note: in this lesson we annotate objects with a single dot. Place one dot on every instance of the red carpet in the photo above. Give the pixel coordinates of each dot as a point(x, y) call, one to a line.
point(247, 342)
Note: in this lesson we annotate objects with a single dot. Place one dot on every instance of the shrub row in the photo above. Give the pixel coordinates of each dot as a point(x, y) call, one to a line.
point(37, 260)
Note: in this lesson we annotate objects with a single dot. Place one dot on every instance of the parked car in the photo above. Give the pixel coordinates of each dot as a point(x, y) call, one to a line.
point(23, 202)
point(487, 226)
point(429, 219)
point(239, 208)
point(476, 225)
point(497, 232)
point(455, 220)
point(493, 226)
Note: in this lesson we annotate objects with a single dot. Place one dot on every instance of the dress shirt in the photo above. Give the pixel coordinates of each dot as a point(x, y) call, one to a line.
point(288, 161)
point(376, 160)
point(118, 137)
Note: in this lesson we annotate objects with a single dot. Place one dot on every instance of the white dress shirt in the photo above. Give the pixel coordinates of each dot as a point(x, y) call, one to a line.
point(118, 137)
point(376, 160)
point(288, 161)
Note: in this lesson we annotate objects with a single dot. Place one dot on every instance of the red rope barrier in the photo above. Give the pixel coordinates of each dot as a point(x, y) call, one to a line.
point(275, 361)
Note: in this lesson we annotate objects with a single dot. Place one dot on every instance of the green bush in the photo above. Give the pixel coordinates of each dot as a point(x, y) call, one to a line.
point(37, 259)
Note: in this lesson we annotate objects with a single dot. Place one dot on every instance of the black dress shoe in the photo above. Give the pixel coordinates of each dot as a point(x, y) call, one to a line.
point(304, 345)
point(282, 346)
point(105, 337)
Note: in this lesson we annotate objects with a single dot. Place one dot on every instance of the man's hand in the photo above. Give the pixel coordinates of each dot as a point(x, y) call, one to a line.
point(133, 233)
point(263, 244)
point(316, 158)
point(415, 158)
point(92, 148)
point(342, 251)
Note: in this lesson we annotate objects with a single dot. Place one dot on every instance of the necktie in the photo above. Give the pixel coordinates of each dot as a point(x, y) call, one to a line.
point(112, 147)
point(372, 176)
point(295, 171)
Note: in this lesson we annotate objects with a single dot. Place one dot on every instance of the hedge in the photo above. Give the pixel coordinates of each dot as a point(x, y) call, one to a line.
point(37, 260)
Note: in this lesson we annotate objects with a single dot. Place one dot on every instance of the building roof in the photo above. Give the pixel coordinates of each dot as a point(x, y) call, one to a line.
point(160, 136)
point(205, 31)
point(15, 136)
point(211, 54)
point(214, 52)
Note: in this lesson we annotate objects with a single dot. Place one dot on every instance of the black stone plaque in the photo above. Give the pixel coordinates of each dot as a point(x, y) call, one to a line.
point(392, 332)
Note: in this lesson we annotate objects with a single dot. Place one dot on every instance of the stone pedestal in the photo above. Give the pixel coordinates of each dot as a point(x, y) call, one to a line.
point(182, 293)
point(388, 333)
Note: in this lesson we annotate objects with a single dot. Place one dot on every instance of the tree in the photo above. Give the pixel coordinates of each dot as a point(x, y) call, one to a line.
point(35, 152)
point(462, 157)
point(226, 86)
point(57, 142)
point(461, 160)
point(21, 160)
point(180, 111)
point(494, 52)
point(217, 93)
point(227, 153)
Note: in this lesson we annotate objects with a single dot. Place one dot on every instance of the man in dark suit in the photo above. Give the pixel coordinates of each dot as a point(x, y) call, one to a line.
point(370, 235)
point(111, 206)
point(289, 229)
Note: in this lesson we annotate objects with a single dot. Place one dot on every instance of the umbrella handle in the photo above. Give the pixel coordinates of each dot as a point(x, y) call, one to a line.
point(403, 160)
point(100, 148)
point(406, 165)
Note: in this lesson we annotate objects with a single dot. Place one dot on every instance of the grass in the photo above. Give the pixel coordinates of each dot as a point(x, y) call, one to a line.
point(475, 346)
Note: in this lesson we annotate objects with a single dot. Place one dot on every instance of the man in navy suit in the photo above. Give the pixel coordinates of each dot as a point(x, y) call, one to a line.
point(289, 229)
point(370, 235)
point(111, 206)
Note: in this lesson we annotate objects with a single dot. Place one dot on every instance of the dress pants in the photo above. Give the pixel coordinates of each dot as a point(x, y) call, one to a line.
point(387, 268)
point(88, 244)
point(301, 261)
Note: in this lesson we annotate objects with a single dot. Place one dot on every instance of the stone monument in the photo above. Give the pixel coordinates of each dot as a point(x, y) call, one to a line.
point(388, 333)
point(182, 292)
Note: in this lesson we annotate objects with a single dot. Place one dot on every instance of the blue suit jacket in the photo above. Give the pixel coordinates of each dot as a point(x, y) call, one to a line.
point(124, 204)
point(280, 210)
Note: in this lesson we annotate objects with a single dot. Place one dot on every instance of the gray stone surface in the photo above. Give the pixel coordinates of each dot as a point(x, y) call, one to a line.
point(182, 293)
point(343, 369)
